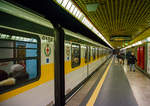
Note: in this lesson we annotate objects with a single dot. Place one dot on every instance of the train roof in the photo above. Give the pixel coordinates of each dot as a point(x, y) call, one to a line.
point(14, 10)
point(79, 36)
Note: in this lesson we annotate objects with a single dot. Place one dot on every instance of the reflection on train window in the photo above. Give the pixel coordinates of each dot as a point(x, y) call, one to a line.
point(97, 52)
point(18, 60)
point(87, 54)
point(75, 55)
point(94, 53)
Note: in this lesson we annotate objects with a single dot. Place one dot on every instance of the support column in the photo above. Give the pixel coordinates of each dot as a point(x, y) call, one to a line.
point(59, 67)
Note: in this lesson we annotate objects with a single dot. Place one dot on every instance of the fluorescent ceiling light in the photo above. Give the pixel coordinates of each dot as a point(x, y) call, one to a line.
point(83, 20)
point(80, 15)
point(140, 42)
point(75, 10)
point(72, 8)
point(78, 12)
point(64, 3)
point(68, 5)
point(59, 1)
point(148, 39)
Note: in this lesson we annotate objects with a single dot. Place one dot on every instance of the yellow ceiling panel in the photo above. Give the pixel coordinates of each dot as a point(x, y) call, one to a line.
point(118, 17)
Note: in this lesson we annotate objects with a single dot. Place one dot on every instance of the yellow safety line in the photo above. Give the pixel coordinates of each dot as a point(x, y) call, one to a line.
point(98, 88)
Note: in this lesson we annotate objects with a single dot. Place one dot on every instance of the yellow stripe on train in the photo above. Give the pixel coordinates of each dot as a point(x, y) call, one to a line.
point(47, 74)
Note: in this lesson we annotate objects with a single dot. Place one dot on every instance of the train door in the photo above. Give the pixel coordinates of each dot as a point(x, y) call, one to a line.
point(86, 58)
point(89, 59)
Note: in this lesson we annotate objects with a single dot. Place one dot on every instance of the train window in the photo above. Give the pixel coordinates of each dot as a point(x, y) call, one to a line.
point(72, 8)
point(64, 3)
point(94, 53)
point(68, 5)
point(18, 61)
point(75, 55)
point(75, 10)
point(87, 54)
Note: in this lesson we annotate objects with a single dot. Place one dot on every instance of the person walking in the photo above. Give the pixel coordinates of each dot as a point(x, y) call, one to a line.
point(118, 57)
point(132, 60)
point(127, 57)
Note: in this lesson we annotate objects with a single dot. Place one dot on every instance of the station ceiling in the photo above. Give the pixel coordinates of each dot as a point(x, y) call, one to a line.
point(118, 19)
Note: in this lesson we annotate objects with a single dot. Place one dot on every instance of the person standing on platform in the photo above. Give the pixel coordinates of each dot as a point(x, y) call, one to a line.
point(122, 58)
point(118, 57)
point(132, 60)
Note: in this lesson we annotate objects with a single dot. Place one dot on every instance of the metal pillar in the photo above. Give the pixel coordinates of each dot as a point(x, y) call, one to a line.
point(59, 67)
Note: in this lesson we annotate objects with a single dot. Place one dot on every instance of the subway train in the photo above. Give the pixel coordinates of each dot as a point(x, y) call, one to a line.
point(27, 57)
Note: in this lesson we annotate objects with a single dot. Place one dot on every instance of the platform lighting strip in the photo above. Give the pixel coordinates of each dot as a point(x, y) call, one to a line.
point(13, 37)
point(73, 9)
point(138, 43)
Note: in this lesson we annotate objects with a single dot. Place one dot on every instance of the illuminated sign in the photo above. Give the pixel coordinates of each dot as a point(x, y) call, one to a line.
point(47, 50)
point(18, 38)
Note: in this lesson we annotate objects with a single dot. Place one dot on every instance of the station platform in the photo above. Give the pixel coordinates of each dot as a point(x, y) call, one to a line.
point(113, 85)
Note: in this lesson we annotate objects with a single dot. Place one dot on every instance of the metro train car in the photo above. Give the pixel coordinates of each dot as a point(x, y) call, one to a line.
point(27, 57)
